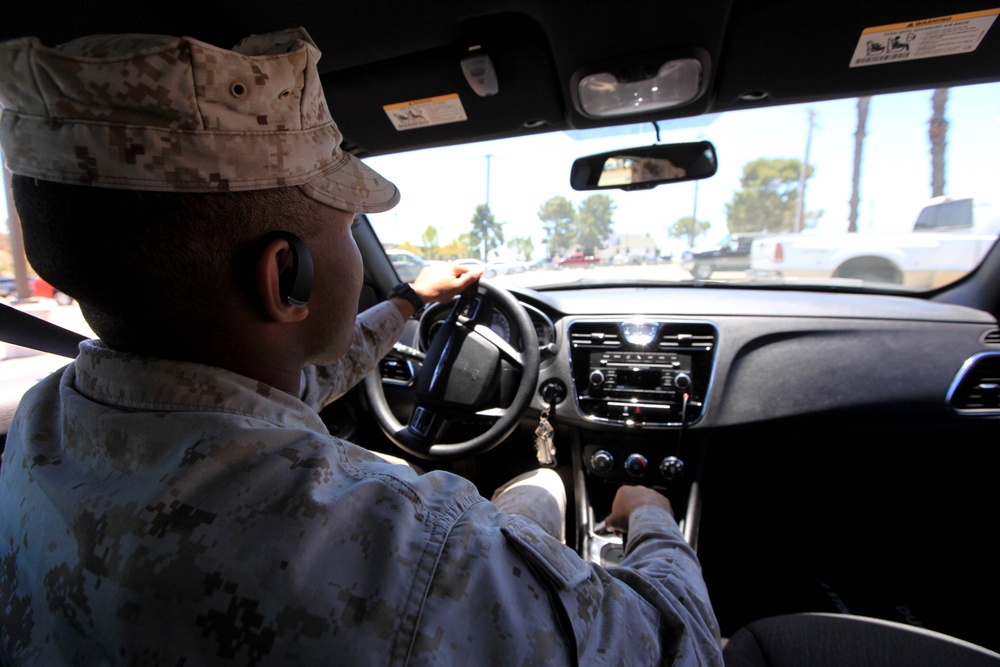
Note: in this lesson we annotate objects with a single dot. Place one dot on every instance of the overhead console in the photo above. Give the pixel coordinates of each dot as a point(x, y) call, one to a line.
point(642, 372)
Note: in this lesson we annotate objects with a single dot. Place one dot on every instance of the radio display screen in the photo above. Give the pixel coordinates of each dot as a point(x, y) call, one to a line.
point(636, 379)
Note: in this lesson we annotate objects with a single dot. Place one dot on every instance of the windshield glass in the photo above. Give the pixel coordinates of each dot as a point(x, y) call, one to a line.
point(899, 195)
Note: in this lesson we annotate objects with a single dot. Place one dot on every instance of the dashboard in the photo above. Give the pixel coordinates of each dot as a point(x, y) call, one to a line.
point(629, 369)
point(753, 355)
point(628, 356)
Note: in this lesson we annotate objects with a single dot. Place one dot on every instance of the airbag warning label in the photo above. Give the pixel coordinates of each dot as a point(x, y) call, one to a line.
point(930, 38)
point(426, 112)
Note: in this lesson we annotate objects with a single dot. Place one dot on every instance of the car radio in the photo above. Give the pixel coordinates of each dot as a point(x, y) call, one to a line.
point(642, 372)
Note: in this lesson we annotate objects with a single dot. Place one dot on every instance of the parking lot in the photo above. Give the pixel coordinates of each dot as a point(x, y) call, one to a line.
point(661, 273)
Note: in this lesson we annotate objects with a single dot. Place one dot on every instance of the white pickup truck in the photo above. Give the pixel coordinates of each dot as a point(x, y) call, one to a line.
point(949, 239)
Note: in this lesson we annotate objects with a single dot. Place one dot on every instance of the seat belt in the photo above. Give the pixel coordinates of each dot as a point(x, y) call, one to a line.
point(35, 333)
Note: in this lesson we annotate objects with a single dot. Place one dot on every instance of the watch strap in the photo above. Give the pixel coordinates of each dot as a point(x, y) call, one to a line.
point(406, 291)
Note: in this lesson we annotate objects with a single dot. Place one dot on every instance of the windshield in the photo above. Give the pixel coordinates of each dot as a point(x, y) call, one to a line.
point(899, 195)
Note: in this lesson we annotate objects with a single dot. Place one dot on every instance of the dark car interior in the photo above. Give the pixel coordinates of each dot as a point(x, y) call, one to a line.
point(830, 451)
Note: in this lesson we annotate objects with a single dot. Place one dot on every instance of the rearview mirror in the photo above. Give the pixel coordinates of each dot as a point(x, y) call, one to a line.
point(645, 167)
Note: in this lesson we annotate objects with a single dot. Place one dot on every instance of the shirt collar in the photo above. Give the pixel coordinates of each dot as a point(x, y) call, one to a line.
point(136, 382)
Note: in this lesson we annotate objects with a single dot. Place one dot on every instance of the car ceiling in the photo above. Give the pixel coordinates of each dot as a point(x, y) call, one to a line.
point(755, 52)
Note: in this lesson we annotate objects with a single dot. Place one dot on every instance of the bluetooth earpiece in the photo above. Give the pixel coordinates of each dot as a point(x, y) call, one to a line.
point(296, 282)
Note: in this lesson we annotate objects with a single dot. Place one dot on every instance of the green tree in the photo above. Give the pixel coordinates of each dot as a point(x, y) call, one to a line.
point(469, 242)
point(593, 221)
point(486, 233)
point(409, 247)
point(559, 221)
point(455, 249)
point(768, 196)
point(523, 246)
point(431, 242)
point(688, 228)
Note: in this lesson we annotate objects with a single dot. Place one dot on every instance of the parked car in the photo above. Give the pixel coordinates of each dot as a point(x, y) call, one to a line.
point(504, 267)
point(577, 260)
point(407, 264)
point(7, 287)
point(947, 240)
point(838, 442)
point(731, 254)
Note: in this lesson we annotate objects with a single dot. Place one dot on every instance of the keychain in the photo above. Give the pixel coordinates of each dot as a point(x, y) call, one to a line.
point(545, 443)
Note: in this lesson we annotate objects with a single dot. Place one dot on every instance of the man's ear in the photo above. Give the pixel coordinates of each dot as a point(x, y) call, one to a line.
point(284, 274)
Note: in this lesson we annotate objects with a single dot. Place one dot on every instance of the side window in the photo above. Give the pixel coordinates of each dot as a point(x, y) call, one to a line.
point(946, 215)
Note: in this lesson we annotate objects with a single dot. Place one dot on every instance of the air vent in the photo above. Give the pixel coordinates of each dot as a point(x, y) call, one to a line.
point(991, 338)
point(396, 371)
point(597, 334)
point(688, 338)
point(976, 389)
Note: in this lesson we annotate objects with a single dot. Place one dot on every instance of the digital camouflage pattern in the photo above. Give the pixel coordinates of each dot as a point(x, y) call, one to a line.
point(151, 112)
point(169, 513)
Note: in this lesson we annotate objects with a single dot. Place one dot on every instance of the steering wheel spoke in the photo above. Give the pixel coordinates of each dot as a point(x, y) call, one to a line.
point(470, 374)
point(505, 348)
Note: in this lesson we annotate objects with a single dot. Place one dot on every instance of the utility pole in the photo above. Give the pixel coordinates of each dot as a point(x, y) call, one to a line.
point(16, 242)
point(694, 216)
point(488, 156)
point(800, 210)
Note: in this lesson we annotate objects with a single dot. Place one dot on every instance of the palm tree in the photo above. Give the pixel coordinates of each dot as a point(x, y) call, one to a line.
point(859, 143)
point(938, 135)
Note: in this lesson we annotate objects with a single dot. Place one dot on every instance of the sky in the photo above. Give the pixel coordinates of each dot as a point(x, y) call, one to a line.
point(442, 187)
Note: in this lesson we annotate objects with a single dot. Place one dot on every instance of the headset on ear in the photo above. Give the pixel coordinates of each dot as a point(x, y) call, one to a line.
point(296, 282)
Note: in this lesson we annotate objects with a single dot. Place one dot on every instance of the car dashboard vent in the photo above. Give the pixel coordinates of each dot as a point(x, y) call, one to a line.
point(976, 389)
point(991, 338)
point(596, 334)
point(702, 339)
point(396, 371)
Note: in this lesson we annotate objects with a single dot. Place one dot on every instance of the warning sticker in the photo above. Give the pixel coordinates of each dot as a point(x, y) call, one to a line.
point(426, 112)
point(930, 38)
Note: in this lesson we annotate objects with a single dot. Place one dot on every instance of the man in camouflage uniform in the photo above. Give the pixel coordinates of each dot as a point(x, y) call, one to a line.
point(172, 497)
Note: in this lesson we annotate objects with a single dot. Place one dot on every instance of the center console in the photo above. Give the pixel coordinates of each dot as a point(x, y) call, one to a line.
point(652, 378)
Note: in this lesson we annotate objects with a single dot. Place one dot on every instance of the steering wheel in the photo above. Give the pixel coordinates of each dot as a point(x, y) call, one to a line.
point(469, 372)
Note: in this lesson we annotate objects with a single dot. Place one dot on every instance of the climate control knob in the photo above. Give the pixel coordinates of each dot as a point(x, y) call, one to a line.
point(671, 467)
point(596, 378)
point(682, 381)
point(602, 461)
point(636, 465)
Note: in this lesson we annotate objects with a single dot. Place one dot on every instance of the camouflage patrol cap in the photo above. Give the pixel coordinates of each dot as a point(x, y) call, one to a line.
point(151, 112)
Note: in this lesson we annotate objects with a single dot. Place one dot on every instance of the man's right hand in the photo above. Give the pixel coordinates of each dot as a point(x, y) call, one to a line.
point(443, 282)
point(627, 500)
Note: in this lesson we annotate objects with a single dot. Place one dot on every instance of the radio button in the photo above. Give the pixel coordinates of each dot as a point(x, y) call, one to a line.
point(682, 381)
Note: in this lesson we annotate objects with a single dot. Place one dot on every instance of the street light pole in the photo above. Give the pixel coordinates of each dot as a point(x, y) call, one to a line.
point(488, 156)
point(800, 210)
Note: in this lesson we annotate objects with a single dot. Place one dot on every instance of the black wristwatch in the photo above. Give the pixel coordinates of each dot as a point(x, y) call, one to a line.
point(405, 291)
